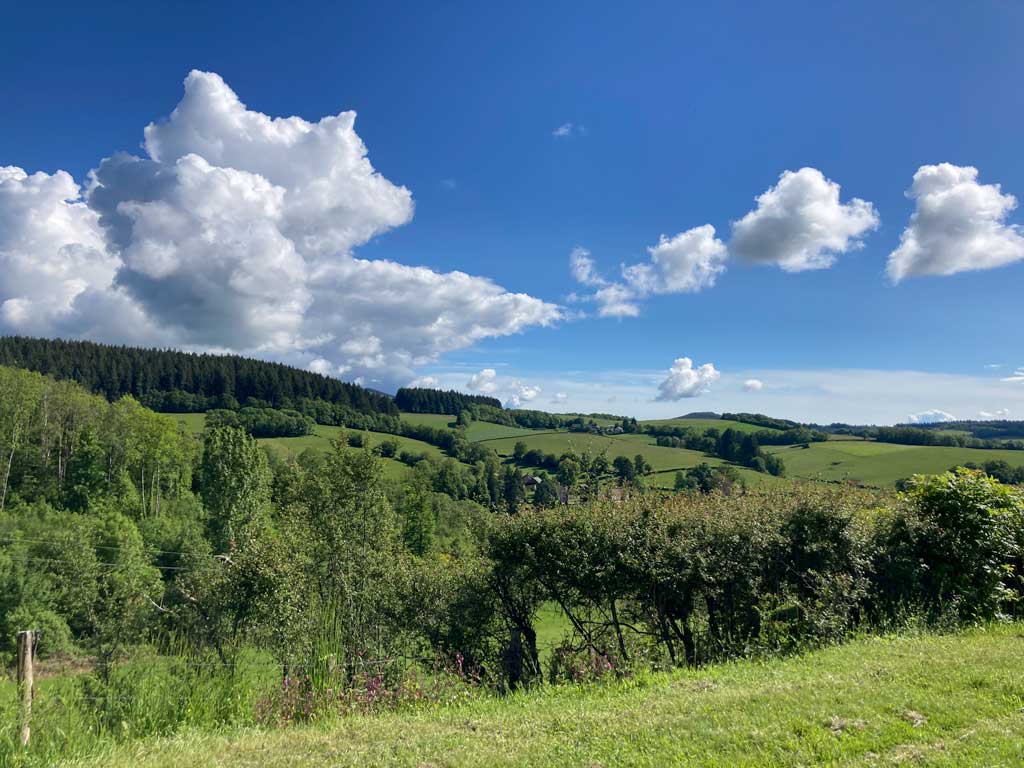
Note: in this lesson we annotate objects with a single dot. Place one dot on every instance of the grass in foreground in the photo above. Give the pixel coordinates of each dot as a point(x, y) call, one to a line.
point(952, 700)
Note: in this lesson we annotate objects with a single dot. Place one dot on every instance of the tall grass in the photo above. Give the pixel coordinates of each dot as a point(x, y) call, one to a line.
point(146, 695)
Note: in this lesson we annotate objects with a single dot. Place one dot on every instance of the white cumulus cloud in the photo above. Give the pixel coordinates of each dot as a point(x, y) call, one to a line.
point(933, 416)
point(686, 381)
point(1018, 376)
point(236, 232)
point(520, 394)
point(485, 381)
point(563, 131)
point(753, 385)
point(686, 263)
point(958, 225)
point(52, 250)
point(426, 382)
point(559, 398)
point(1001, 413)
point(800, 224)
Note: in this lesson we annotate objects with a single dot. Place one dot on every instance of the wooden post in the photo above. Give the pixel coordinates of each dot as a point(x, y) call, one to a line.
point(26, 651)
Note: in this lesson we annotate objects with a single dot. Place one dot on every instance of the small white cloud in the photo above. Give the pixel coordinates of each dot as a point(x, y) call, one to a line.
point(563, 131)
point(484, 381)
point(753, 385)
point(800, 224)
point(559, 398)
point(933, 416)
point(1018, 376)
point(993, 366)
point(521, 393)
point(686, 381)
point(321, 366)
point(617, 301)
point(582, 267)
point(689, 262)
point(957, 226)
point(686, 263)
point(449, 184)
point(1002, 413)
point(425, 382)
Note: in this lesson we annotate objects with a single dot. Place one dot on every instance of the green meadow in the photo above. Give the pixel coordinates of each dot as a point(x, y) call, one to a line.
point(703, 424)
point(918, 700)
point(840, 459)
point(438, 420)
point(880, 464)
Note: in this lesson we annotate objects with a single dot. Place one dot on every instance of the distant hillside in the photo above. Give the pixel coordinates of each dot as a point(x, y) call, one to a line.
point(184, 382)
point(760, 420)
point(1002, 429)
point(700, 415)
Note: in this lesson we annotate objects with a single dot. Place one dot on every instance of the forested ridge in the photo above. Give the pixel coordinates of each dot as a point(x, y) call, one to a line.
point(425, 400)
point(184, 382)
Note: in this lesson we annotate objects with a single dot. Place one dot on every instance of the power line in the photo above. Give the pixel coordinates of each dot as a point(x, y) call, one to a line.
point(101, 564)
point(15, 539)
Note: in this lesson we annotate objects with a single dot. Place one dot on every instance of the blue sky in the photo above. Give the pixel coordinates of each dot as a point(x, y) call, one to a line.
point(679, 118)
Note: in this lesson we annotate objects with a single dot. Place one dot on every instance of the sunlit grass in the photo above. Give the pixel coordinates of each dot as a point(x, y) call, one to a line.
point(950, 700)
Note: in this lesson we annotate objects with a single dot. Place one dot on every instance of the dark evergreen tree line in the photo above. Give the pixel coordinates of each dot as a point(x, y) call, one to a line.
point(421, 400)
point(919, 435)
point(183, 382)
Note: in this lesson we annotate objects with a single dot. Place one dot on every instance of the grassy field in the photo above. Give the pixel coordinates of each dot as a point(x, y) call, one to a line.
point(665, 461)
point(475, 432)
point(703, 424)
point(951, 700)
point(479, 431)
point(430, 419)
point(194, 422)
point(880, 464)
point(321, 438)
point(660, 458)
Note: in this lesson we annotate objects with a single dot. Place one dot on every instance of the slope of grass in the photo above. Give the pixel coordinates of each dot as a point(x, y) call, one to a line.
point(430, 419)
point(479, 431)
point(952, 700)
point(320, 440)
point(194, 422)
point(660, 458)
point(322, 436)
point(703, 424)
point(880, 464)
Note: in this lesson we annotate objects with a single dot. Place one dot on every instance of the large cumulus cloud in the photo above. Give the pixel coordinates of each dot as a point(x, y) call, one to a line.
point(236, 232)
point(684, 380)
point(958, 225)
point(800, 224)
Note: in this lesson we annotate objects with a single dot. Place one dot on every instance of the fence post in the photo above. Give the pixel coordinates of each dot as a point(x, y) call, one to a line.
point(26, 651)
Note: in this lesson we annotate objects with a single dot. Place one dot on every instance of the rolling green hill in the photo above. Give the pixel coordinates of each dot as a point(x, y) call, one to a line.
point(320, 440)
point(880, 464)
point(429, 419)
point(702, 424)
point(665, 461)
point(841, 458)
